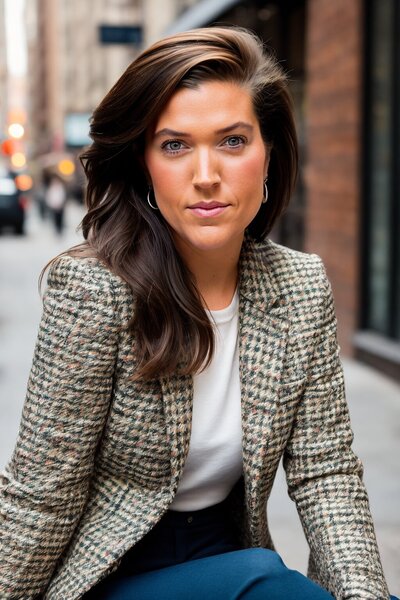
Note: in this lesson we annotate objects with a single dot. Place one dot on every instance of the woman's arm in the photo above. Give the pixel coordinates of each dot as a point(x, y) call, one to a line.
point(44, 488)
point(324, 475)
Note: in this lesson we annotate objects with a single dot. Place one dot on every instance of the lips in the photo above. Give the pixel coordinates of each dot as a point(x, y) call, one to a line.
point(208, 209)
point(208, 205)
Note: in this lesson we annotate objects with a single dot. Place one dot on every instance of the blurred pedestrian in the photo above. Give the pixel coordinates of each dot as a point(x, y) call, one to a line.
point(55, 199)
point(40, 197)
point(181, 354)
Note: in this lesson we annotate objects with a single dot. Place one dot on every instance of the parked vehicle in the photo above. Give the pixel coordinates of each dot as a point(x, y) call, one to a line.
point(13, 205)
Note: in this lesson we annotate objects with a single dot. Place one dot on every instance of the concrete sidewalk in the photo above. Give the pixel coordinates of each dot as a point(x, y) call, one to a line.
point(374, 402)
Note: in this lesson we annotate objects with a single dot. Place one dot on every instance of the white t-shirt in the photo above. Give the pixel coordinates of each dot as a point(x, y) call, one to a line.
point(214, 461)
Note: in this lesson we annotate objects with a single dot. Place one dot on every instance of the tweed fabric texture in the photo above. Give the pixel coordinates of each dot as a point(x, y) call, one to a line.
point(99, 457)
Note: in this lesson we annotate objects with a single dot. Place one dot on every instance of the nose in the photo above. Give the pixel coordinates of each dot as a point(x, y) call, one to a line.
point(206, 172)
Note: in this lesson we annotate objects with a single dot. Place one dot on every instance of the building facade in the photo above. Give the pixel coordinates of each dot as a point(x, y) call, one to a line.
point(71, 66)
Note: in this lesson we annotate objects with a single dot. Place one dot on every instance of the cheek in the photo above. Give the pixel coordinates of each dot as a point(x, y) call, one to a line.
point(163, 174)
point(249, 173)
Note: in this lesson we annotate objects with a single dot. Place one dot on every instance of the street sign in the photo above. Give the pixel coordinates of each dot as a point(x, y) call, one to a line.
point(120, 34)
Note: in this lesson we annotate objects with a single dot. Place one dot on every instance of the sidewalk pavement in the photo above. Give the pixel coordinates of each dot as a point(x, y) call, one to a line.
point(374, 402)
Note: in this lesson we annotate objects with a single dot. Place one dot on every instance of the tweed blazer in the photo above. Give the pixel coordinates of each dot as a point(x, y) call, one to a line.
point(99, 457)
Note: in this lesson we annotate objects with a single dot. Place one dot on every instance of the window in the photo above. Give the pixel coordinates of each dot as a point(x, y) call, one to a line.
point(381, 297)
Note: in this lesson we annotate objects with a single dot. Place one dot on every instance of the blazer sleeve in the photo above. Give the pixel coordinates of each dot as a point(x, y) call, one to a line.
point(45, 485)
point(325, 477)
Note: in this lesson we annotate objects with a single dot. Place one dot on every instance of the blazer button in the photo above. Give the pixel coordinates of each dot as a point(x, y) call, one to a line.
point(189, 519)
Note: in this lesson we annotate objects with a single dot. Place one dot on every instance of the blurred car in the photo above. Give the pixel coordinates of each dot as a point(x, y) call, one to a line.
point(12, 205)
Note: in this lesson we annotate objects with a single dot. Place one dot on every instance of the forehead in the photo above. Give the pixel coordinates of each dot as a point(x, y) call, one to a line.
point(213, 104)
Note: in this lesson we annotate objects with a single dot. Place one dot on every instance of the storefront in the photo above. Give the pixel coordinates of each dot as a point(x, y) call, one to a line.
point(378, 342)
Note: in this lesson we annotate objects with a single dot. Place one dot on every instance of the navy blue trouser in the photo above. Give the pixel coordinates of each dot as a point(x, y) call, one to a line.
point(195, 556)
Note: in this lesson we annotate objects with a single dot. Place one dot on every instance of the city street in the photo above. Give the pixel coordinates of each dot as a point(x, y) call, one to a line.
point(374, 399)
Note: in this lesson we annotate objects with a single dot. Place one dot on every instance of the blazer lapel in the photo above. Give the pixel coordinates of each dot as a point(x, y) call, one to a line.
point(263, 330)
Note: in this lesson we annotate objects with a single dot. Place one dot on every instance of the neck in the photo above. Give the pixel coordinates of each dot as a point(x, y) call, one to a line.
point(215, 272)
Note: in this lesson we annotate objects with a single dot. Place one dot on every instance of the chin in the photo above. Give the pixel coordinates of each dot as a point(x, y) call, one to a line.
point(211, 240)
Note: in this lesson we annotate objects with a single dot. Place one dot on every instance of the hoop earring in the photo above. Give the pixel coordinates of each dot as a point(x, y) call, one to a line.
point(148, 200)
point(265, 197)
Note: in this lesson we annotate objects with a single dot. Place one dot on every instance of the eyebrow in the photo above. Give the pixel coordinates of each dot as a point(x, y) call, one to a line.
point(173, 132)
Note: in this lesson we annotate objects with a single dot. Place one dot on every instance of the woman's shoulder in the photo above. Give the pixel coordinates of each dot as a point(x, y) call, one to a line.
point(283, 259)
point(81, 271)
point(292, 271)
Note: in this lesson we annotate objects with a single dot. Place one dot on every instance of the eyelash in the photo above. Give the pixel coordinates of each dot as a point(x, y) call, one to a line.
point(237, 137)
point(164, 146)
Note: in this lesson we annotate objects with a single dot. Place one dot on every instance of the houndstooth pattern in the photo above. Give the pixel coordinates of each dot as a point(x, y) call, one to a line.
point(99, 456)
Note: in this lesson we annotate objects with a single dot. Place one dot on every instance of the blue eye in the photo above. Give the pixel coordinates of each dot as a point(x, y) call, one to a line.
point(172, 146)
point(235, 141)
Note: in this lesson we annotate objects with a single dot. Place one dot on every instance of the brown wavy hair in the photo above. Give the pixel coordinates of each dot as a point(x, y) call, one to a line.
point(171, 329)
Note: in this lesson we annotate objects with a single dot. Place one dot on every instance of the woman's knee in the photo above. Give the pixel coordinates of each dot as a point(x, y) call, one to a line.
point(267, 576)
point(261, 561)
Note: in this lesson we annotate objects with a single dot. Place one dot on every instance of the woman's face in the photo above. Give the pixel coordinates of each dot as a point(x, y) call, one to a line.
point(207, 161)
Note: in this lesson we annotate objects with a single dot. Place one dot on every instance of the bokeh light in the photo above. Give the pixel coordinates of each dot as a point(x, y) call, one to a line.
point(66, 167)
point(18, 160)
point(16, 130)
point(7, 147)
point(24, 182)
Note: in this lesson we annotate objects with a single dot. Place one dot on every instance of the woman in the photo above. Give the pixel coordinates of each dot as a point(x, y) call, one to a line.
point(55, 200)
point(181, 354)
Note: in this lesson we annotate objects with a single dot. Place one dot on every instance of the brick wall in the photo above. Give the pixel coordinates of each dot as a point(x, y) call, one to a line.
point(333, 125)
